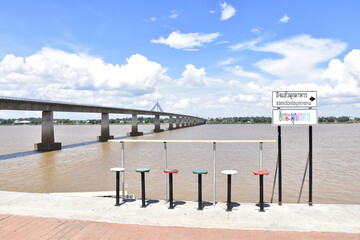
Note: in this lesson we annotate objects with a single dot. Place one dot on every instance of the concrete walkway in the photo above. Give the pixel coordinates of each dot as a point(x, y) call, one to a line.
point(321, 218)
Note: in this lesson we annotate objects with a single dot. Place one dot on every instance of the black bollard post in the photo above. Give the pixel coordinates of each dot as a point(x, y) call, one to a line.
point(171, 191)
point(117, 188)
point(143, 189)
point(262, 193)
point(199, 193)
point(279, 166)
point(229, 194)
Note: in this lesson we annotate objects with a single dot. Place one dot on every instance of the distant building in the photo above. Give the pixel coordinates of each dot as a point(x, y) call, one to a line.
point(24, 122)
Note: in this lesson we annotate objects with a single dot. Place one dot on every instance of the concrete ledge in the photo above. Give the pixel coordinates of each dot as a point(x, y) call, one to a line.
point(245, 216)
point(46, 147)
point(104, 138)
point(134, 134)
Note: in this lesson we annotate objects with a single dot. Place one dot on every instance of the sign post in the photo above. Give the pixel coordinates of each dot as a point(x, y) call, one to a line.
point(294, 108)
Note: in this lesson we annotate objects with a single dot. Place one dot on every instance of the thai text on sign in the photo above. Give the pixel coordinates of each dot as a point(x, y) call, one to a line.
point(294, 117)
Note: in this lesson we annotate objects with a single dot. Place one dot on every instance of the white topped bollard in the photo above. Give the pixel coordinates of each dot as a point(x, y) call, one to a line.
point(118, 170)
point(229, 173)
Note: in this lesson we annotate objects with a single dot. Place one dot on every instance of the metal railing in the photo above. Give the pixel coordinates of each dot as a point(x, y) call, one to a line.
point(190, 141)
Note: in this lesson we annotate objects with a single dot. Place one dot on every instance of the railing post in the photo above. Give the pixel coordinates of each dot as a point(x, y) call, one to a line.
point(123, 166)
point(261, 155)
point(214, 181)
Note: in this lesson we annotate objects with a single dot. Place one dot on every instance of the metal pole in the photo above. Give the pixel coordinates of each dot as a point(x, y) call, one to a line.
point(229, 194)
point(279, 167)
point(273, 189)
point(302, 184)
point(165, 159)
point(310, 166)
point(261, 155)
point(123, 166)
point(214, 181)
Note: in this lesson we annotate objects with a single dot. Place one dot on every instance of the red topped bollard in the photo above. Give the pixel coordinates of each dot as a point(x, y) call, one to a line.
point(170, 172)
point(261, 173)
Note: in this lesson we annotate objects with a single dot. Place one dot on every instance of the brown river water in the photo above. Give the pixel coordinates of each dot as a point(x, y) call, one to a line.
point(84, 165)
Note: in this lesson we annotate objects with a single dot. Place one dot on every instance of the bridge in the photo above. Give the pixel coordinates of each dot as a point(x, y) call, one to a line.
point(49, 107)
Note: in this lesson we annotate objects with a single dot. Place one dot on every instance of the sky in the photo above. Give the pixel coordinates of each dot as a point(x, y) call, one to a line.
point(207, 58)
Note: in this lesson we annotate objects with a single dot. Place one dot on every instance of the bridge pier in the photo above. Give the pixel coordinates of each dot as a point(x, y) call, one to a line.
point(177, 122)
point(47, 134)
point(105, 128)
point(157, 124)
point(171, 127)
point(182, 123)
point(134, 127)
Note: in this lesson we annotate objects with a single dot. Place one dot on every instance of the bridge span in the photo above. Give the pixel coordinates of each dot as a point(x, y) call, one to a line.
point(49, 107)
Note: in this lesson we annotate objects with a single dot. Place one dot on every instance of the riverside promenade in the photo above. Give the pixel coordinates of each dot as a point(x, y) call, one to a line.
point(47, 216)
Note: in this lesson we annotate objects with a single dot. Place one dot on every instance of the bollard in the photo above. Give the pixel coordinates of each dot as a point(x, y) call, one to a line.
point(143, 171)
point(170, 172)
point(261, 174)
point(118, 170)
point(229, 173)
point(199, 173)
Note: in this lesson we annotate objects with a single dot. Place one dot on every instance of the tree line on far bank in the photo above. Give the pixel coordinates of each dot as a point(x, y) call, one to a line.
point(150, 120)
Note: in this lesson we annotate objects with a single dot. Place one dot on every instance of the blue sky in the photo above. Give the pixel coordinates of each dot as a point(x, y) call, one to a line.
point(206, 58)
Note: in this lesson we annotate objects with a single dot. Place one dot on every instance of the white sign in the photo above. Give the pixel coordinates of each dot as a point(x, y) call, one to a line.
point(294, 99)
point(294, 117)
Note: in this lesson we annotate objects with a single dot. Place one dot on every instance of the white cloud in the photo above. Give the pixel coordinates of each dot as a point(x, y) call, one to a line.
point(153, 19)
point(301, 56)
point(284, 19)
point(54, 74)
point(239, 71)
point(255, 30)
point(228, 11)
point(345, 76)
point(187, 41)
point(193, 77)
point(246, 45)
point(173, 14)
point(221, 42)
point(226, 62)
point(183, 103)
point(212, 11)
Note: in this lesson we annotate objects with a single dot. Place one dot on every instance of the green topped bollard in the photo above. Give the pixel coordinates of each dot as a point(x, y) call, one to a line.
point(143, 171)
point(199, 173)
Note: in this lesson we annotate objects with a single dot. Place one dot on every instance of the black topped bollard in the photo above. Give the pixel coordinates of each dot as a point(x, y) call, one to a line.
point(143, 171)
point(170, 172)
point(200, 172)
point(118, 170)
point(261, 173)
point(229, 173)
